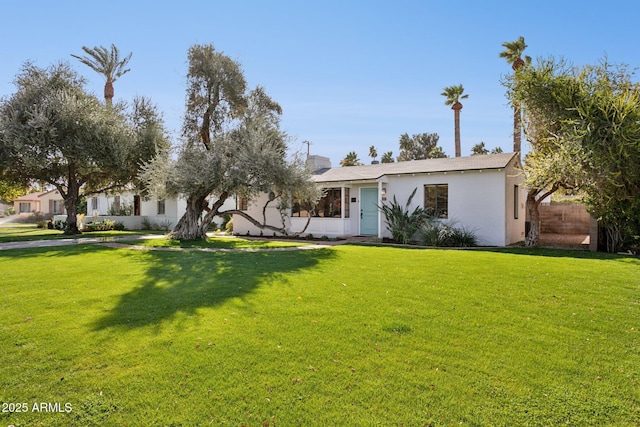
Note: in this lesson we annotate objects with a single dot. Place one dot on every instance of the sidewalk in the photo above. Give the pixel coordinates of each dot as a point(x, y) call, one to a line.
point(112, 242)
point(71, 241)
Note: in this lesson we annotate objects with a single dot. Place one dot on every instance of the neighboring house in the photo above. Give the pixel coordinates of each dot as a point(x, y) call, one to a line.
point(136, 212)
point(44, 202)
point(482, 193)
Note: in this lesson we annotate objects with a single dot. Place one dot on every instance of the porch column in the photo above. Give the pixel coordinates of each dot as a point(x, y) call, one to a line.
point(380, 215)
point(343, 200)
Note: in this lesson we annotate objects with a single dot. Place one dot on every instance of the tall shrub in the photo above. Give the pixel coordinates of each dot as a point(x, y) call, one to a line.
point(402, 223)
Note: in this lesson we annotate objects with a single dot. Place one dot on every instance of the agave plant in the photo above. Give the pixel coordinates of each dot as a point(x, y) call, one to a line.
point(402, 223)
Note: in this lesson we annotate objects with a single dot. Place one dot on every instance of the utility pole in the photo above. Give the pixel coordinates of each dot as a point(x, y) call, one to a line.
point(308, 146)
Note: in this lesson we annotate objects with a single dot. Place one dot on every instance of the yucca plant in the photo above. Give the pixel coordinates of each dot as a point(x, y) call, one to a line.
point(401, 223)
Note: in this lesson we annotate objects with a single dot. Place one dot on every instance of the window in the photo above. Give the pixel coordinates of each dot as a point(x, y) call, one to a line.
point(436, 200)
point(25, 207)
point(515, 201)
point(161, 206)
point(329, 206)
point(58, 207)
point(300, 210)
point(243, 203)
point(94, 203)
point(116, 203)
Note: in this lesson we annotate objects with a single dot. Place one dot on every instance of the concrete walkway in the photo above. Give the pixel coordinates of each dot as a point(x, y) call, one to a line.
point(71, 241)
point(151, 248)
point(112, 242)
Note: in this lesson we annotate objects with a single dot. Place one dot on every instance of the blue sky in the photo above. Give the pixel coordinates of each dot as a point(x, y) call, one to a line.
point(348, 74)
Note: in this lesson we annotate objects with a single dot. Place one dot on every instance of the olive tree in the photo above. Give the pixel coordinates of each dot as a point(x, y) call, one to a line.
point(231, 146)
point(545, 93)
point(53, 131)
point(583, 124)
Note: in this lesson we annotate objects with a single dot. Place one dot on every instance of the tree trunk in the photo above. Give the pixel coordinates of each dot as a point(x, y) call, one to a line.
point(614, 238)
point(517, 133)
point(456, 116)
point(70, 204)
point(188, 228)
point(534, 218)
point(108, 93)
point(206, 221)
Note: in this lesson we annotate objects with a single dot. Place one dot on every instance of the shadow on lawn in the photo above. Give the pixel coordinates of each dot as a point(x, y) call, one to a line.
point(182, 282)
point(50, 251)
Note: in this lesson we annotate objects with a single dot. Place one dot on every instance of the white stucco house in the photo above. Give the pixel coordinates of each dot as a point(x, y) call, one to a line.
point(135, 212)
point(483, 193)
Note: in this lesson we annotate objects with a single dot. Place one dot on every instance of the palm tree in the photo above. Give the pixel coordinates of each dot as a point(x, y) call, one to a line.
point(479, 149)
point(373, 153)
point(513, 54)
point(351, 159)
point(387, 157)
point(454, 94)
point(107, 63)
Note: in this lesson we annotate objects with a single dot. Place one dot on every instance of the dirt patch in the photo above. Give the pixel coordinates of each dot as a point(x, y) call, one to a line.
point(564, 241)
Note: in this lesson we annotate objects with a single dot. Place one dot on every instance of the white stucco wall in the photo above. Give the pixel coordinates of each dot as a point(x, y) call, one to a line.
point(476, 200)
point(242, 226)
point(514, 227)
point(106, 201)
point(174, 209)
point(481, 201)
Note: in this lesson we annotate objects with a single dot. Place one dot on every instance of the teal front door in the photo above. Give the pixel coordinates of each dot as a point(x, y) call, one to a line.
point(369, 211)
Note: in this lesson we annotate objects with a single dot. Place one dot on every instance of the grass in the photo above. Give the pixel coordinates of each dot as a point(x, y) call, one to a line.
point(215, 243)
point(349, 335)
point(13, 232)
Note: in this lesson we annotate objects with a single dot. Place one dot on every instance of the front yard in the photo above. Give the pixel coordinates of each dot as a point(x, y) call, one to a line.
point(348, 335)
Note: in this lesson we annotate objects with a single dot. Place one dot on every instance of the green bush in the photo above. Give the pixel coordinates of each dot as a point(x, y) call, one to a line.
point(401, 223)
point(104, 225)
point(445, 234)
point(56, 225)
point(124, 209)
point(146, 224)
point(226, 219)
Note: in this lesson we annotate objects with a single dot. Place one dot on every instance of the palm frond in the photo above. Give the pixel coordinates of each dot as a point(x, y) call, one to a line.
point(513, 50)
point(453, 94)
point(104, 61)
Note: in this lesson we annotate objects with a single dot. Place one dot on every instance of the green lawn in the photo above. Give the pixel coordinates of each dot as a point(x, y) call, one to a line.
point(13, 232)
point(349, 335)
point(222, 242)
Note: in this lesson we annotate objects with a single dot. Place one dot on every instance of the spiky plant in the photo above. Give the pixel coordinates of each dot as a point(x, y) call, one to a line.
point(401, 223)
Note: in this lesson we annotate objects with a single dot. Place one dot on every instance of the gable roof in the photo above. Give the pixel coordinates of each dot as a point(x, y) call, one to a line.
point(449, 164)
point(33, 196)
point(29, 197)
